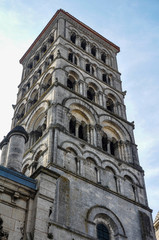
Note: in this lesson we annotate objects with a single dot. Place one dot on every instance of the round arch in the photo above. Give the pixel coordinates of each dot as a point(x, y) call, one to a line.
point(70, 103)
point(98, 214)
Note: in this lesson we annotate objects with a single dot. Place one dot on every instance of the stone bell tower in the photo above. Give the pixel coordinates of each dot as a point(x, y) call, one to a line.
point(81, 149)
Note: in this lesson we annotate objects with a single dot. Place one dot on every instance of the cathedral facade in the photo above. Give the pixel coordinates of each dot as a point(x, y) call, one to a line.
point(69, 166)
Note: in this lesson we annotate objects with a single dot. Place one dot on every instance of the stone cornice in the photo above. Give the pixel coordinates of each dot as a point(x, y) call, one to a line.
point(76, 21)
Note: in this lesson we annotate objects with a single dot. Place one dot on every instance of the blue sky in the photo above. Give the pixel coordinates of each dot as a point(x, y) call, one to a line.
point(132, 25)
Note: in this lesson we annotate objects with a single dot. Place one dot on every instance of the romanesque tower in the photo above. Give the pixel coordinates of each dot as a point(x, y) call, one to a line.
point(77, 144)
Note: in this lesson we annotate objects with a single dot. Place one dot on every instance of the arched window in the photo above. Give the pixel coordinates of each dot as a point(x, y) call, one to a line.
point(71, 83)
point(103, 57)
point(93, 51)
point(110, 105)
point(104, 143)
point(91, 94)
point(72, 126)
point(83, 44)
point(70, 161)
point(72, 58)
point(104, 77)
point(73, 38)
point(102, 232)
point(110, 178)
point(89, 169)
point(129, 188)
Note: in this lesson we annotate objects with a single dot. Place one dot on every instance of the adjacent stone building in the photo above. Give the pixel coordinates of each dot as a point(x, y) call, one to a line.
point(70, 167)
point(156, 226)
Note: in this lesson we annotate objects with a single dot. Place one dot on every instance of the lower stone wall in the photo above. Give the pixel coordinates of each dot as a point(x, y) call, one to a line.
point(14, 200)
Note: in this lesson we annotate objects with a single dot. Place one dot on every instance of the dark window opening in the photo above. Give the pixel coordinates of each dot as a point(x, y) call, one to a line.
point(35, 99)
point(39, 72)
point(73, 38)
point(102, 232)
point(51, 39)
point(93, 51)
point(36, 58)
point(104, 143)
point(51, 57)
point(88, 67)
point(91, 94)
point(92, 71)
point(72, 126)
point(104, 78)
point(22, 113)
point(112, 148)
point(110, 105)
point(30, 65)
point(28, 85)
point(75, 60)
point(38, 134)
point(43, 49)
point(83, 44)
point(70, 57)
point(82, 132)
point(48, 84)
point(71, 84)
point(103, 57)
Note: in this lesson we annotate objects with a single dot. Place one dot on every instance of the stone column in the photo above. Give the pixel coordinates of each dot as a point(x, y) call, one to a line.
point(95, 137)
point(108, 147)
point(97, 53)
point(105, 101)
point(81, 88)
point(77, 127)
point(88, 48)
point(78, 41)
point(89, 133)
point(98, 135)
point(125, 151)
point(119, 150)
point(98, 176)
point(78, 165)
point(107, 59)
point(4, 148)
point(129, 150)
point(101, 98)
point(17, 139)
point(91, 127)
point(85, 89)
point(122, 151)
